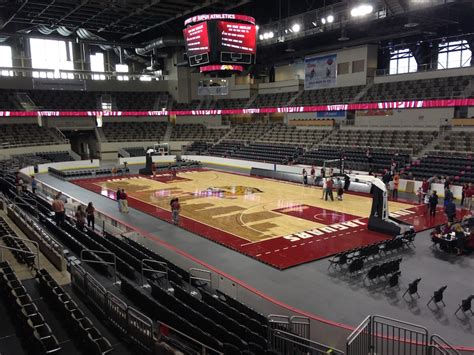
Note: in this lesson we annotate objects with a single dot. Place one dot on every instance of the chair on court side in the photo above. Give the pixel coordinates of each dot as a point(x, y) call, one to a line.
point(373, 273)
point(356, 266)
point(393, 280)
point(438, 297)
point(466, 305)
point(408, 238)
point(413, 288)
point(338, 260)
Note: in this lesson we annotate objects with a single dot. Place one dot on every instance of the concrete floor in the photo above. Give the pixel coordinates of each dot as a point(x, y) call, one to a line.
point(314, 289)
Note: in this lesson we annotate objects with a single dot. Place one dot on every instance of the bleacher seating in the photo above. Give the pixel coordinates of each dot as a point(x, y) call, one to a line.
point(135, 151)
point(461, 141)
point(23, 135)
point(225, 104)
point(450, 87)
point(197, 132)
point(6, 100)
point(273, 100)
point(272, 153)
point(197, 148)
point(16, 162)
point(459, 167)
point(354, 159)
point(225, 148)
point(328, 96)
point(249, 132)
point(399, 140)
point(64, 100)
point(293, 135)
point(140, 101)
point(134, 131)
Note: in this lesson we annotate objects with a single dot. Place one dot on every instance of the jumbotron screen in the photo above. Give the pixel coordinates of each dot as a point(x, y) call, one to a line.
point(197, 39)
point(237, 37)
point(220, 39)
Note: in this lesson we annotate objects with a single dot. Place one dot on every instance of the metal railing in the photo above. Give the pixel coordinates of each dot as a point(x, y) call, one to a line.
point(128, 321)
point(147, 268)
point(383, 335)
point(207, 276)
point(112, 263)
point(297, 345)
point(439, 346)
point(21, 251)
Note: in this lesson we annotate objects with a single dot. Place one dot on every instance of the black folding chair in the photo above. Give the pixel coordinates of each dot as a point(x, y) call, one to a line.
point(393, 280)
point(466, 305)
point(413, 288)
point(438, 297)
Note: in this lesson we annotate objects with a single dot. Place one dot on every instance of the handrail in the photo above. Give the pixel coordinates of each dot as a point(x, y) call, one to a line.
point(202, 271)
point(438, 343)
point(28, 252)
point(307, 343)
point(152, 261)
point(103, 262)
point(360, 328)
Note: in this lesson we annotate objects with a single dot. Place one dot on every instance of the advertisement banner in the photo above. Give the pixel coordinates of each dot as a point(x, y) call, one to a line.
point(320, 72)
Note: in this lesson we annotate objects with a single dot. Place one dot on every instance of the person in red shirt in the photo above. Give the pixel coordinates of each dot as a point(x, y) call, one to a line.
point(329, 186)
point(124, 201)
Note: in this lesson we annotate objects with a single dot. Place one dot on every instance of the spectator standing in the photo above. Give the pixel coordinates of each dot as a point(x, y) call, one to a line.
point(80, 217)
point(329, 186)
point(58, 208)
point(426, 201)
point(323, 172)
point(433, 202)
point(469, 197)
point(450, 210)
point(324, 188)
point(34, 184)
point(339, 188)
point(313, 175)
point(118, 197)
point(175, 210)
point(153, 169)
point(386, 178)
point(124, 201)
point(465, 186)
point(347, 182)
point(90, 212)
point(305, 177)
point(396, 183)
point(419, 193)
point(448, 196)
point(425, 187)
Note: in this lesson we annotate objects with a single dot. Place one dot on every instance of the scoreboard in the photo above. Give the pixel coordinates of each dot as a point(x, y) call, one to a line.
point(220, 39)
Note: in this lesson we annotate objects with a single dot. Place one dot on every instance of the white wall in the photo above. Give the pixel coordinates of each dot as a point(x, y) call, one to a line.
point(279, 86)
point(407, 119)
point(67, 165)
point(368, 53)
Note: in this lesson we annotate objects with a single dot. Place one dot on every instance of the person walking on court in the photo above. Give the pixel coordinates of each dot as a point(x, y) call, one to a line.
point(396, 183)
point(118, 197)
point(305, 177)
point(90, 210)
point(433, 202)
point(124, 201)
point(175, 210)
point(450, 210)
point(329, 186)
point(347, 182)
point(313, 175)
point(323, 172)
point(339, 188)
point(324, 188)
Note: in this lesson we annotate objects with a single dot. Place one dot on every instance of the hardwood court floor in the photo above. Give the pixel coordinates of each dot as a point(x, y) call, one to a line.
point(282, 224)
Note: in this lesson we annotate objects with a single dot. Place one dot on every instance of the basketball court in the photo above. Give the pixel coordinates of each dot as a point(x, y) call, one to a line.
point(281, 224)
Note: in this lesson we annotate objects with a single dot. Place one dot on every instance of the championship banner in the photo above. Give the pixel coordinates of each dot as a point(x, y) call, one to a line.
point(320, 72)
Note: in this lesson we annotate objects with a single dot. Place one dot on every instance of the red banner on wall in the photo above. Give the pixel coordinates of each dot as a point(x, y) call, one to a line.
point(291, 109)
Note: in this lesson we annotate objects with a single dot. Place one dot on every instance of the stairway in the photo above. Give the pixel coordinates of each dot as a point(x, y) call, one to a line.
point(294, 98)
point(24, 101)
point(443, 132)
point(362, 93)
point(223, 138)
point(251, 100)
point(167, 135)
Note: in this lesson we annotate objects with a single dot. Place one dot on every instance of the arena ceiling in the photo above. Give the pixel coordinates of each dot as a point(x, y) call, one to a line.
point(135, 23)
